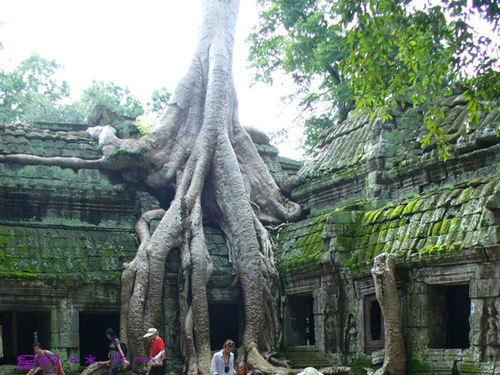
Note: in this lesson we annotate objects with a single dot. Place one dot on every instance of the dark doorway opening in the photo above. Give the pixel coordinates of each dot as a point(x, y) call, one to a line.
point(223, 324)
point(93, 341)
point(20, 331)
point(299, 321)
point(449, 311)
point(457, 317)
point(374, 325)
point(376, 332)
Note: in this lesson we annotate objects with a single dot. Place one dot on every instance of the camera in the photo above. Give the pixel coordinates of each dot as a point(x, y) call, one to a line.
point(226, 369)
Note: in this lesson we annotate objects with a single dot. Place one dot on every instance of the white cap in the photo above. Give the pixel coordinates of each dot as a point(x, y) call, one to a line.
point(151, 332)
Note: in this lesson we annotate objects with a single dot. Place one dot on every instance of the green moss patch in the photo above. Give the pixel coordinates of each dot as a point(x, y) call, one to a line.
point(303, 244)
point(429, 226)
point(68, 256)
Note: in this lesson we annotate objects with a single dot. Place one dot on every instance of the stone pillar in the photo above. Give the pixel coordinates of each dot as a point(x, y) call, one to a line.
point(329, 313)
point(485, 314)
point(319, 319)
point(64, 329)
point(171, 317)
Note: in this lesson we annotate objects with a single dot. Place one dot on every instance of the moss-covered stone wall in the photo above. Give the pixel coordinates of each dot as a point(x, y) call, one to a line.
point(371, 188)
point(370, 163)
point(65, 234)
point(62, 255)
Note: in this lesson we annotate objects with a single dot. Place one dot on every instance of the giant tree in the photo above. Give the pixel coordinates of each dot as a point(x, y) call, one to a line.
point(200, 151)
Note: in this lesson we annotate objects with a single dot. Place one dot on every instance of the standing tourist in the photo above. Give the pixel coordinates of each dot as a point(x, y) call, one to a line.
point(223, 361)
point(115, 353)
point(157, 352)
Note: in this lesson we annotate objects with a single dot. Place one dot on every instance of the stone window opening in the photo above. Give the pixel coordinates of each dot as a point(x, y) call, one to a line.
point(448, 316)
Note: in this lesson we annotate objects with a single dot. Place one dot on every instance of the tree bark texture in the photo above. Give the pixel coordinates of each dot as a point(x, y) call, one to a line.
point(200, 150)
point(387, 296)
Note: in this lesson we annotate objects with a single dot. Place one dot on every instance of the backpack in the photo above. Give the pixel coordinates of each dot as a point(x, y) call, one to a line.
point(124, 348)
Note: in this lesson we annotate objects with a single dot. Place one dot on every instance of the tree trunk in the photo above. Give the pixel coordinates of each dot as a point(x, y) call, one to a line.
point(200, 150)
point(387, 296)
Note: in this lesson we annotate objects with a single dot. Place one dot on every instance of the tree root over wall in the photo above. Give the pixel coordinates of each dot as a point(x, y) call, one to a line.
point(387, 296)
point(200, 150)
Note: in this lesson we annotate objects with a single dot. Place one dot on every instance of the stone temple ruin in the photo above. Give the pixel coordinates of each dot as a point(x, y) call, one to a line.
point(369, 189)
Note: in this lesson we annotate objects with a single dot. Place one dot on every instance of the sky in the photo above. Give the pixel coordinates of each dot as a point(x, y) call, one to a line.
point(144, 45)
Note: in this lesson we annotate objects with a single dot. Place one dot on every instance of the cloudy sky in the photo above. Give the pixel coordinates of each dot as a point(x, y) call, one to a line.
point(143, 45)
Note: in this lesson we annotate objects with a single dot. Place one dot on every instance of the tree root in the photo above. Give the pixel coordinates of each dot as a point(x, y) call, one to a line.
point(200, 149)
point(387, 295)
point(96, 368)
point(255, 360)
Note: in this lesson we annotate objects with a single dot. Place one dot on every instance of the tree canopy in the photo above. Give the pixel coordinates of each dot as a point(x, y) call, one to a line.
point(30, 88)
point(112, 96)
point(31, 92)
point(379, 54)
point(297, 37)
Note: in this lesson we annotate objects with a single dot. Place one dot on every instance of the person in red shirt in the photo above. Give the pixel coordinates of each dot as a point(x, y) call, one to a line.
point(157, 352)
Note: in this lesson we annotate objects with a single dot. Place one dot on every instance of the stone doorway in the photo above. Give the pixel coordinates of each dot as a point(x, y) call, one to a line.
point(299, 321)
point(449, 311)
point(224, 323)
point(374, 325)
point(20, 330)
point(93, 341)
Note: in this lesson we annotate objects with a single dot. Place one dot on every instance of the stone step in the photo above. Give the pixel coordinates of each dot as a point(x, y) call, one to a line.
point(301, 349)
point(305, 356)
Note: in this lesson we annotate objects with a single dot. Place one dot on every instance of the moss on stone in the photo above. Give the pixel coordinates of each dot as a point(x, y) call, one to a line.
point(18, 275)
point(353, 206)
point(465, 196)
point(440, 250)
point(445, 227)
point(371, 217)
point(436, 228)
point(59, 254)
point(418, 367)
point(307, 249)
point(396, 212)
point(469, 368)
point(411, 207)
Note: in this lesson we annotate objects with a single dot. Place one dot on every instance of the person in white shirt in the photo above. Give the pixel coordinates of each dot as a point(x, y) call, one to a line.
point(223, 361)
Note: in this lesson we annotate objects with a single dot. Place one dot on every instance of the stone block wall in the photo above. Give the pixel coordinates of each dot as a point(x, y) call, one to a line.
point(370, 188)
point(65, 234)
point(368, 163)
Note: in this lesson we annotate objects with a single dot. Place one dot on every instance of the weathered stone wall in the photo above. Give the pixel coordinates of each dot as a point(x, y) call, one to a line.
point(369, 163)
point(65, 234)
point(371, 188)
